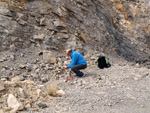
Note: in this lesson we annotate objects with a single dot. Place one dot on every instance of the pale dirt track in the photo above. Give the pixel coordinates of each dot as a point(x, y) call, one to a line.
point(122, 88)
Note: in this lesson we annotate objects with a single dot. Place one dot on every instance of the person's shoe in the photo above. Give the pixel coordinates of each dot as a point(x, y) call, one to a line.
point(81, 76)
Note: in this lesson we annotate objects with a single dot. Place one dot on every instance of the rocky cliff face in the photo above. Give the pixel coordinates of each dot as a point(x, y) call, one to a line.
point(35, 33)
point(119, 27)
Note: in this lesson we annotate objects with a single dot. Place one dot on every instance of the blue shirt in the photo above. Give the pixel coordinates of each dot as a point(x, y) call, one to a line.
point(77, 58)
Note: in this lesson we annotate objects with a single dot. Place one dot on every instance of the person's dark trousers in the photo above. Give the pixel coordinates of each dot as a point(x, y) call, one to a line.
point(78, 67)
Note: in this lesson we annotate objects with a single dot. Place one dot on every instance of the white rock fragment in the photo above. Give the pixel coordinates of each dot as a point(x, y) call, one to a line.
point(60, 93)
point(14, 103)
point(1, 111)
point(16, 79)
point(39, 37)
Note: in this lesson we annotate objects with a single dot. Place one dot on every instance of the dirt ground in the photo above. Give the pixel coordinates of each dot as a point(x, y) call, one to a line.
point(35, 34)
point(122, 88)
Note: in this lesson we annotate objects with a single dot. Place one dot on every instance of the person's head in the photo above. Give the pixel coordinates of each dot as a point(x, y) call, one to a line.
point(68, 52)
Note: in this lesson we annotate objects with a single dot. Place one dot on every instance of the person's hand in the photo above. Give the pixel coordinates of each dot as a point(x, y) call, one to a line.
point(65, 67)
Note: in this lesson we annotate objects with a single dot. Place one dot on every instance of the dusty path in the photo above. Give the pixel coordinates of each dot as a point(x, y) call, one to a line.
point(120, 89)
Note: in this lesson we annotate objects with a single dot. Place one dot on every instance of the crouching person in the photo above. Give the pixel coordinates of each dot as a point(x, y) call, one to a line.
point(78, 62)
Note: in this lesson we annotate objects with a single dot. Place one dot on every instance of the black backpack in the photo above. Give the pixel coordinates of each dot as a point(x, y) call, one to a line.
point(103, 62)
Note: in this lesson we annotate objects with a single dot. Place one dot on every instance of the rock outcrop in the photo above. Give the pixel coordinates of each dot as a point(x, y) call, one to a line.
point(115, 26)
point(34, 35)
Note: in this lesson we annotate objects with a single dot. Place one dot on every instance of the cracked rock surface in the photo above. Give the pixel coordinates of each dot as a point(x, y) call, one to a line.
point(34, 36)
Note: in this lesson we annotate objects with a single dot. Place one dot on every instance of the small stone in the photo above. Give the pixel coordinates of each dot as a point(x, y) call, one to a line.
point(22, 22)
point(16, 79)
point(22, 94)
point(21, 16)
point(131, 96)
point(7, 108)
point(59, 23)
point(22, 78)
point(22, 55)
point(1, 111)
point(1, 86)
point(137, 65)
point(122, 100)
point(14, 103)
point(43, 21)
point(22, 66)
point(142, 106)
point(4, 10)
point(13, 48)
point(62, 36)
point(44, 79)
point(80, 83)
point(28, 82)
point(83, 82)
point(28, 105)
point(12, 57)
point(39, 92)
point(3, 59)
point(39, 37)
point(109, 104)
point(60, 93)
point(93, 57)
point(42, 105)
point(66, 62)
